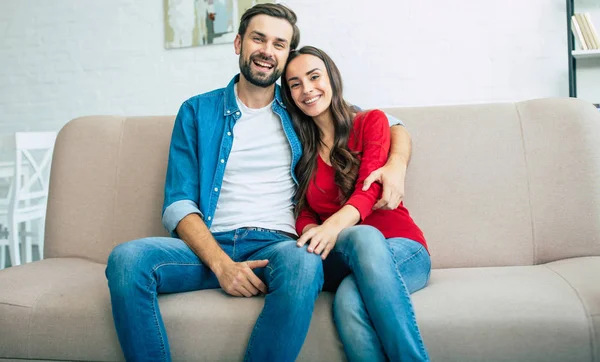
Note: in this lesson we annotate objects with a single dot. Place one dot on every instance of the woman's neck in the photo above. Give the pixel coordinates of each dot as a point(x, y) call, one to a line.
point(326, 128)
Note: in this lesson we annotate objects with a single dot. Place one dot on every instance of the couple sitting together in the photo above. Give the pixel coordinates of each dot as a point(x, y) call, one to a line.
point(285, 192)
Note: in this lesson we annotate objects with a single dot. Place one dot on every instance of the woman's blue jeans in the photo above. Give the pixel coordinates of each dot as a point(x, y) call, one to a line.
point(372, 309)
point(139, 270)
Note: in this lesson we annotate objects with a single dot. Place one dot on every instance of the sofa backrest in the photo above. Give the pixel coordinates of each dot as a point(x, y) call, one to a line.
point(492, 184)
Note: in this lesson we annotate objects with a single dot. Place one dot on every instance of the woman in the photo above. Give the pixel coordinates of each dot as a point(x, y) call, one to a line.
point(378, 263)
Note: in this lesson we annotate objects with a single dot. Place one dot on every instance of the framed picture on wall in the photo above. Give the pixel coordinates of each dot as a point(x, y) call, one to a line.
point(193, 23)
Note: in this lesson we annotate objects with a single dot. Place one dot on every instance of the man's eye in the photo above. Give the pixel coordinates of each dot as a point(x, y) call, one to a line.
point(279, 46)
point(257, 39)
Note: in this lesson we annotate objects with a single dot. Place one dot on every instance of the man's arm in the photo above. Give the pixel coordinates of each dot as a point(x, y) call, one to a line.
point(392, 175)
point(236, 279)
point(400, 146)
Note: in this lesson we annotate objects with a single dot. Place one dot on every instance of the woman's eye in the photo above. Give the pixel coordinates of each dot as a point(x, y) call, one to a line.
point(314, 77)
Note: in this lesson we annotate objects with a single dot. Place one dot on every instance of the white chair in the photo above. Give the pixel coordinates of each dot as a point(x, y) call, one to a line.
point(29, 192)
point(7, 172)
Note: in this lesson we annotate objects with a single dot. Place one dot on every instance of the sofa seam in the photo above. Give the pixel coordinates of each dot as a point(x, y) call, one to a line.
point(115, 192)
point(592, 330)
point(31, 309)
point(528, 181)
point(16, 305)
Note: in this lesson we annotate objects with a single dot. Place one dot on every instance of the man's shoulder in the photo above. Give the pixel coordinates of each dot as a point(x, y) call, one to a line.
point(206, 98)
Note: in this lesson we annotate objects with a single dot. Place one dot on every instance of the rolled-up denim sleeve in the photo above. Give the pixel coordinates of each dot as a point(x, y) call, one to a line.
point(177, 211)
point(394, 121)
point(182, 180)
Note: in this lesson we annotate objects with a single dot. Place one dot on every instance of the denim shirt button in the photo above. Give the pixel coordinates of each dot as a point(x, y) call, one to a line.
point(216, 189)
point(237, 113)
point(209, 218)
point(229, 133)
point(222, 161)
point(228, 111)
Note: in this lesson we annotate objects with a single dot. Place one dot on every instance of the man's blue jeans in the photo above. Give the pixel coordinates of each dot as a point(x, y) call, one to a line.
point(372, 309)
point(139, 270)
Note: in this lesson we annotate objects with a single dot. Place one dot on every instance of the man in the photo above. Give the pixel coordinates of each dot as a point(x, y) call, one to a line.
point(228, 206)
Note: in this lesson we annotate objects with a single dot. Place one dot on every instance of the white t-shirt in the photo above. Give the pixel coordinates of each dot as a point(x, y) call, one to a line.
point(257, 185)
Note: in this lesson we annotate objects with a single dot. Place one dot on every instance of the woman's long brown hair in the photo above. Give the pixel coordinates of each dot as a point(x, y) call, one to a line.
point(344, 161)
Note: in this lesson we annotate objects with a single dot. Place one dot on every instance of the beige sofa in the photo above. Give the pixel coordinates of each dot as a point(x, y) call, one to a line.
point(508, 196)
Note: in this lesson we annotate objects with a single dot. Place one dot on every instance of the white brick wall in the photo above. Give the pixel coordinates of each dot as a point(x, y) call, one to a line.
point(62, 59)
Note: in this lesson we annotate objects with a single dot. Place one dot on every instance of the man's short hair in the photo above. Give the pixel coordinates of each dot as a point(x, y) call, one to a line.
point(276, 11)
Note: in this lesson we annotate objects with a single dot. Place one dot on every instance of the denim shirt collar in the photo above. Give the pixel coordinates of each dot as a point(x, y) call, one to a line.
point(231, 106)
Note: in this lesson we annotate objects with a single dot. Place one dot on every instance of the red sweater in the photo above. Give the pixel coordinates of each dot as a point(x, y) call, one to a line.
point(370, 137)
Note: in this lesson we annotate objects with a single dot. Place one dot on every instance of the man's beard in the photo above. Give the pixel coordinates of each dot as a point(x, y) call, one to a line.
point(245, 68)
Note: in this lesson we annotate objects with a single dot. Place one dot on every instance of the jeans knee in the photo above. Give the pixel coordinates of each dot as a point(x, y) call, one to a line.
point(362, 242)
point(124, 264)
point(308, 267)
point(300, 270)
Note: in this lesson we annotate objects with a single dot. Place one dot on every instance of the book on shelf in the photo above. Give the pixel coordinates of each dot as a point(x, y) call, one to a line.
point(578, 33)
point(584, 30)
point(592, 28)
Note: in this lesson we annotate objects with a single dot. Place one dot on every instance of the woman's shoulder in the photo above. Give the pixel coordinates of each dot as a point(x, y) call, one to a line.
point(369, 116)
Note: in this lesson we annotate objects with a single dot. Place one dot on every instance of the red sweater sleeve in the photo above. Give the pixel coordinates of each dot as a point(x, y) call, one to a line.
point(306, 216)
point(373, 141)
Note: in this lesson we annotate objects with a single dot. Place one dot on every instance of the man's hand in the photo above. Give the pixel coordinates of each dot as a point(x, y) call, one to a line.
point(239, 280)
point(322, 238)
point(391, 176)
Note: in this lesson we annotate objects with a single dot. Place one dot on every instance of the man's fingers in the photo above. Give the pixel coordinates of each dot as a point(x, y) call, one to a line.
point(379, 204)
point(253, 264)
point(246, 291)
point(393, 198)
point(257, 283)
point(386, 195)
point(369, 180)
point(395, 202)
point(233, 292)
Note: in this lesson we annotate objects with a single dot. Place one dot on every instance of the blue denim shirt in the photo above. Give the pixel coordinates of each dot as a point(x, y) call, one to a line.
point(200, 145)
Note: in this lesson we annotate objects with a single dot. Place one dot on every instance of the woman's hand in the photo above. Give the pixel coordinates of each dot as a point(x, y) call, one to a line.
point(322, 238)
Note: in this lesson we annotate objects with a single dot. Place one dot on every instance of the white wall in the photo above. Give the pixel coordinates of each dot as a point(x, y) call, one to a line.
point(62, 59)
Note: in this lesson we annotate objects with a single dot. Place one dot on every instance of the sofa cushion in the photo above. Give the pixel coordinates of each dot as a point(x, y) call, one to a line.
point(582, 275)
point(528, 313)
point(60, 309)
